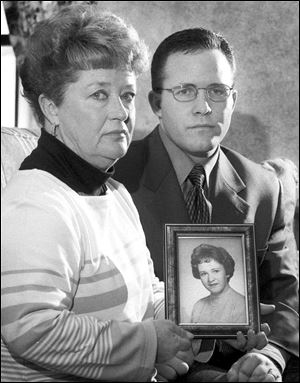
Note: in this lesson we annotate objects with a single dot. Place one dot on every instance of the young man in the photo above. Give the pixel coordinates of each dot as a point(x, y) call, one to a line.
point(193, 96)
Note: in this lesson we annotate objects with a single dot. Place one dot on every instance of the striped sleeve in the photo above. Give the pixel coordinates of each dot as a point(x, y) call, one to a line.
point(159, 293)
point(39, 281)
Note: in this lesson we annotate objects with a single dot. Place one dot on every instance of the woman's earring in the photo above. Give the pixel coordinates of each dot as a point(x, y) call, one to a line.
point(55, 127)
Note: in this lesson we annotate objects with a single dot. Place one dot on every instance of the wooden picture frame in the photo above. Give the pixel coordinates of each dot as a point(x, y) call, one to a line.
point(201, 303)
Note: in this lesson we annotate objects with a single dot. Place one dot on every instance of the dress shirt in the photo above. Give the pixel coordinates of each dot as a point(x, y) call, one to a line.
point(183, 165)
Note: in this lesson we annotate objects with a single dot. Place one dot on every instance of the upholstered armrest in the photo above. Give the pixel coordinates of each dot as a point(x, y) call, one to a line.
point(16, 144)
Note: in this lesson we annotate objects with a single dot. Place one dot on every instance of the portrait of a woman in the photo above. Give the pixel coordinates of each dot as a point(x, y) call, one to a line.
point(214, 266)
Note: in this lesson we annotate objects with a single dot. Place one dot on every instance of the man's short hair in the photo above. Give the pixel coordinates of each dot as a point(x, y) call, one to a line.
point(188, 41)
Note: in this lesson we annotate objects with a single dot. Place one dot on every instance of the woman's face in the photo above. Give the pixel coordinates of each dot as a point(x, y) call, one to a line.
point(97, 116)
point(213, 276)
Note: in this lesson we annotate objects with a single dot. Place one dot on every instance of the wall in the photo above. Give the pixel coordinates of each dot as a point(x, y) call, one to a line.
point(264, 35)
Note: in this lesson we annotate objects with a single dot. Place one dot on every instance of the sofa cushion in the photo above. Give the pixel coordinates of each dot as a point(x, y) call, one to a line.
point(16, 144)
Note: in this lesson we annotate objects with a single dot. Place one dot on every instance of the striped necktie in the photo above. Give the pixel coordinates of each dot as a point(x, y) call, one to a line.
point(195, 201)
point(199, 213)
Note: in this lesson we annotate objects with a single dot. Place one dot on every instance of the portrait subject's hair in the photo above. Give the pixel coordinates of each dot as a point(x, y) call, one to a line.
point(188, 41)
point(79, 37)
point(205, 253)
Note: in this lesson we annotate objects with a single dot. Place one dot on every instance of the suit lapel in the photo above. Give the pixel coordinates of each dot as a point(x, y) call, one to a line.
point(226, 185)
point(164, 196)
point(164, 193)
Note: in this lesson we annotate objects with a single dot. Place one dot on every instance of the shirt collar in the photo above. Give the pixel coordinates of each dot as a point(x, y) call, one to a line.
point(182, 163)
point(56, 158)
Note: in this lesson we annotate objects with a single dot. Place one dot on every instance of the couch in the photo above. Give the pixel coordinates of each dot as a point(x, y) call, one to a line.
point(18, 143)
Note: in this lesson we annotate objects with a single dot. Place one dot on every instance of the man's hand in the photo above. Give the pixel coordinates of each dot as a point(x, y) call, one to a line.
point(253, 340)
point(170, 340)
point(266, 309)
point(254, 367)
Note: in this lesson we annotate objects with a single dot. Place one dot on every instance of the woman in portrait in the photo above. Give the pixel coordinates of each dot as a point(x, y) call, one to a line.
point(79, 294)
point(214, 266)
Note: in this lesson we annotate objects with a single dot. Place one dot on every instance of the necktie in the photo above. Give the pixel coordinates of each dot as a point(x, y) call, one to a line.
point(195, 200)
point(199, 213)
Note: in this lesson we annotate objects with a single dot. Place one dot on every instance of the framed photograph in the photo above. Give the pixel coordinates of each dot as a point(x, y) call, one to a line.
point(211, 279)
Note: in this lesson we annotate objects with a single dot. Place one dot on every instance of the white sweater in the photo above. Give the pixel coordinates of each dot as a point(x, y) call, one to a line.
point(79, 290)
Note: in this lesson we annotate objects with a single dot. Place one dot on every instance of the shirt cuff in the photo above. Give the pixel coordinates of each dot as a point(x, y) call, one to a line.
point(276, 354)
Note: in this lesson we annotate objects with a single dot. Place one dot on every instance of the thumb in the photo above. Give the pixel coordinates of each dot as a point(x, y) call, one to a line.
point(232, 374)
point(266, 309)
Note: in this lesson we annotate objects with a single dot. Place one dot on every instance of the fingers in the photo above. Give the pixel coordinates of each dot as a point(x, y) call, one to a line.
point(261, 340)
point(171, 369)
point(245, 367)
point(252, 340)
point(186, 356)
point(178, 365)
point(182, 333)
point(183, 344)
point(254, 367)
point(170, 339)
point(165, 372)
point(184, 338)
point(260, 375)
point(265, 328)
point(266, 309)
point(241, 341)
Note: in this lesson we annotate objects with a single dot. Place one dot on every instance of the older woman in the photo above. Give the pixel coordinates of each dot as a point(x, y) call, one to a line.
point(80, 294)
point(214, 266)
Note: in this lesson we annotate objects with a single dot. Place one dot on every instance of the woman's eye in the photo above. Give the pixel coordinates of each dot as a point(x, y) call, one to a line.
point(100, 95)
point(128, 97)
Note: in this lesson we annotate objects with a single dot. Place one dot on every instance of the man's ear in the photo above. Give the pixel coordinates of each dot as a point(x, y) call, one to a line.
point(49, 109)
point(155, 101)
point(234, 97)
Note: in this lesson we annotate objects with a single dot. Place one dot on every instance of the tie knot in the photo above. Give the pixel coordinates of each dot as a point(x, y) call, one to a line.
point(197, 176)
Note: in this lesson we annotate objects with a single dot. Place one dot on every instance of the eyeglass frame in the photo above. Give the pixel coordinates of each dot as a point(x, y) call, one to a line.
point(196, 91)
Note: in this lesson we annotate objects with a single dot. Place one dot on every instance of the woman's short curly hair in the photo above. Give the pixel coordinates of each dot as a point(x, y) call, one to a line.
point(78, 37)
point(205, 253)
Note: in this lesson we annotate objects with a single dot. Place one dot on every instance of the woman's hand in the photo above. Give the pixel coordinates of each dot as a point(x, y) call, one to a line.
point(254, 367)
point(171, 339)
point(176, 366)
point(171, 369)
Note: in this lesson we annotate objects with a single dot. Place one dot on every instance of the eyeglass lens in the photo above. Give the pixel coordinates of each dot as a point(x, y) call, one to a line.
point(189, 92)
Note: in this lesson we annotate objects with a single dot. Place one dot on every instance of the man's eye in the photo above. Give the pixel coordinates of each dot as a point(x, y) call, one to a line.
point(128, 97)
point(185, 91)
point(100, 95)
point(218, 91)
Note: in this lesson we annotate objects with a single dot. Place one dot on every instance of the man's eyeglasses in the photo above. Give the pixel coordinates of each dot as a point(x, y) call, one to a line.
point(189, 92)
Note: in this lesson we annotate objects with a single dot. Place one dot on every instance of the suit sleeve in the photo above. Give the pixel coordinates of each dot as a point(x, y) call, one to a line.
point(279, 284)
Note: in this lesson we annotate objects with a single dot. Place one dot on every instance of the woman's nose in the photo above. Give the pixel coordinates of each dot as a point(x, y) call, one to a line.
point(117, 110)
point(210, 277)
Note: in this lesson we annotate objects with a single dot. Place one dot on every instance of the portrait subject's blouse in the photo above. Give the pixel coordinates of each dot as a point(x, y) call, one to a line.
point(227, 307)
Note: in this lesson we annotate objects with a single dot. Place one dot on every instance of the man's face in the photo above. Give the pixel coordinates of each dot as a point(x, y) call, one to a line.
point(197, 126)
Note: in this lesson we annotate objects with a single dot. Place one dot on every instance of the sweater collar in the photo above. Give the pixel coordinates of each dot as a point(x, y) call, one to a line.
point(54, 157)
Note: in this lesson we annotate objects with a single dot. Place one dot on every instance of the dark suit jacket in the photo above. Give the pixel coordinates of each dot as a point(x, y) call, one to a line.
point(241, 191)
